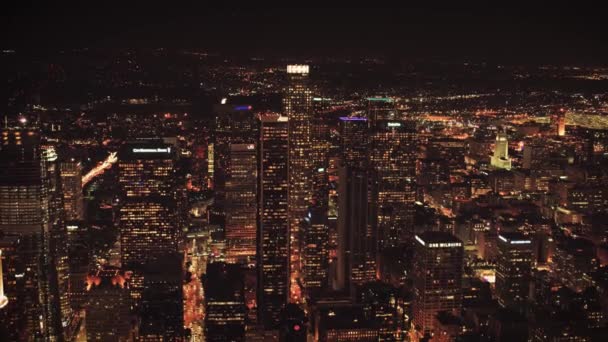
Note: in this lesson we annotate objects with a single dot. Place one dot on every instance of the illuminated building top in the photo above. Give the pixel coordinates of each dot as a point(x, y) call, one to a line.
point(297, 69)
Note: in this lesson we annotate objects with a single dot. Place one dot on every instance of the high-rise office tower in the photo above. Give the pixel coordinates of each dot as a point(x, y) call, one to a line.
point(241, 204)
point(224, 303)
point(356, 254)
point(273, 228)
point(315, 237)
point(501, 159)
point(108, 306)
point(162, 306)
point(320, 133)
point(394, 154)
point(297, 104)
point(559, 120)
point(79, 257)
point(315, 255)
point(513, 269)
point(380, 108)
point(354, 141)
point(71, 184)
point(29, 207)
point(234, 124)
point(57, 246)
point(147, 222)
point(149, 232)
point(438, 262)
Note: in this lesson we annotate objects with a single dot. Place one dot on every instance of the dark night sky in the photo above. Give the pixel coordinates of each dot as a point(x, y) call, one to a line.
point(512, 35)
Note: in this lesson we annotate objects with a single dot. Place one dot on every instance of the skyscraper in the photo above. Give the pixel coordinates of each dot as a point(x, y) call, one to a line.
point(394, 154)
point(314, 250)
point(356, 223)
point(354, 141)
point(71, 184)
point(273, 229)
point(501, 159)
point(438, 262)
point(149, 232)
point(224, 303)
point(297, 105)
point(356, 234)
point(241, 206)
point(234, 124)
point(513, 269)
point(29, 207)
point(147, 222)
point(108, 306)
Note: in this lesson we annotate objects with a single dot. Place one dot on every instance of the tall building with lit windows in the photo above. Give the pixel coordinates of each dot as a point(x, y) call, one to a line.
point(273, 226)
point(394, 155)
point(500, 159)
point(149, 234)
point(354, 141)
point(71, 184)
point(31, 208)
point(320, 132)
point(241, 204)
point(513, 269)
point(234, 124)
point(437, 274)
point(297, 106)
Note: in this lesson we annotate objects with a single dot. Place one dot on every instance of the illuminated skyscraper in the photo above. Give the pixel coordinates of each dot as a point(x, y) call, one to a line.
point(501, 159)
point(354, 141)
point(149, 232)
point(108, 306)
point(241, 206)
point(31, 208)
point(315, 239)
point(438, 262)
point(297, 103)
point(147, 221)
point(273, 234)
point(320, 133)
point(394, 154)
point(71, 184)
point(513, 269)
point(234, 124)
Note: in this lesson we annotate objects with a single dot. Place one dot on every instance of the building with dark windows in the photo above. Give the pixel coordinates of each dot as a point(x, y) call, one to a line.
point(513, 269)
point(241, 204)
point(273, 230)
point(356, 258)
point(225, 308)
point(108, 306)
point(71, 184)
point(437, 274)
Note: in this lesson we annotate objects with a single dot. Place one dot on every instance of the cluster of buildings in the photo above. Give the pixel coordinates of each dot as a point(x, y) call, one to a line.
point(316, 221)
